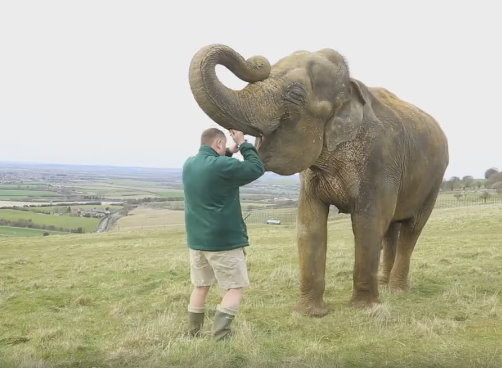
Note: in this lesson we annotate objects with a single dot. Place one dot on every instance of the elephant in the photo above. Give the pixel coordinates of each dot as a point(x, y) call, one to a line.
point(362, 149)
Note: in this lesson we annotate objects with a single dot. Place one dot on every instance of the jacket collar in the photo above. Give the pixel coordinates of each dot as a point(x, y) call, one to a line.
point(207, 151)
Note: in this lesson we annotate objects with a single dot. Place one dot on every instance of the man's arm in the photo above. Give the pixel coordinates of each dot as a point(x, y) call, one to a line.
point(243, 172)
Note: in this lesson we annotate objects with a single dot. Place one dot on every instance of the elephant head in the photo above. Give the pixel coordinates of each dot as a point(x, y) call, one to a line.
point(304, 103)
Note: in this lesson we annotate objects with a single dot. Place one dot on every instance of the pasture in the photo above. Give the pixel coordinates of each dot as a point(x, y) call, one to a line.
point(119, 300)
point(148, 218)
point(42, 219)
point(27, 194)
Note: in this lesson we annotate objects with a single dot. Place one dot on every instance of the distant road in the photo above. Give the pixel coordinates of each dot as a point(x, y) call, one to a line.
point(108, 222)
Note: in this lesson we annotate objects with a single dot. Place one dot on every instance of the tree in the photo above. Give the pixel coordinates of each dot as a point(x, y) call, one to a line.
point(458, 196)
point(493, 179)
point(498, 187)
point(454, 182)
point(491, 171)
point(485, 195)
point(467, 181)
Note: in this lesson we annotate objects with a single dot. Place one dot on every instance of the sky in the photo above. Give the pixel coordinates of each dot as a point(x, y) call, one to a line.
point(106, 82)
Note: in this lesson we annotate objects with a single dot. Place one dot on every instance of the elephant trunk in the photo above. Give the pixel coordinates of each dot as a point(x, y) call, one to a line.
point(255, 110)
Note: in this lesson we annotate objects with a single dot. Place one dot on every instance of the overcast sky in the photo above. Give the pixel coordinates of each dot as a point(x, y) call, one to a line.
point(106, 82)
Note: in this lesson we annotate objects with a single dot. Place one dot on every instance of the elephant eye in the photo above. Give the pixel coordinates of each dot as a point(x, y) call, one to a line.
point(295, 94)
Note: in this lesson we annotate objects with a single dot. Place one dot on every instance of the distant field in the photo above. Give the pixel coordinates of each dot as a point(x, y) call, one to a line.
point(13, 194)
point(20, 203)
point(51, 209)
point(22, 231)
point(129, 189)
point(148, 218)
point(67, 222)
point(171, 193)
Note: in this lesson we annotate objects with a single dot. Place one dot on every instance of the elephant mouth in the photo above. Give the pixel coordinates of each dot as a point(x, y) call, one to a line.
point(260, 140)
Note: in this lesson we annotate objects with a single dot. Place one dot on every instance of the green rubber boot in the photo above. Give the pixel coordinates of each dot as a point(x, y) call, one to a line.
point(195, 323)
point(221, 325)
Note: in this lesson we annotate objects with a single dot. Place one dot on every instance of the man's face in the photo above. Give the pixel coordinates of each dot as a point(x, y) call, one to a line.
point(220, 146)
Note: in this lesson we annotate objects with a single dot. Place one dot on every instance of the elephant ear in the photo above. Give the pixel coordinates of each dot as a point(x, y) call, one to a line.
point(348, 119)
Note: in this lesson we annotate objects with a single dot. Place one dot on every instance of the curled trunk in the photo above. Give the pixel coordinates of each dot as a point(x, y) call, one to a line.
point(254, 109)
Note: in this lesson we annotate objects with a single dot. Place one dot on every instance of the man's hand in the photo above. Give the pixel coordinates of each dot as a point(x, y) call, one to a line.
point(238, 137)
point(234, 148)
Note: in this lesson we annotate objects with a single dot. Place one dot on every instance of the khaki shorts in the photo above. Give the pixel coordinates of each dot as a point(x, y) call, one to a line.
point(227, 267)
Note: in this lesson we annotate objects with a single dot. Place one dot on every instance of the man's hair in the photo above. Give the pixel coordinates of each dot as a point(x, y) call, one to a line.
point(210, 135)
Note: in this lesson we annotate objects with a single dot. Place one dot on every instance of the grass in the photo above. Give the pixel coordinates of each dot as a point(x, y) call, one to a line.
point(448, 199)
point(147, 218)
point(66, 222)
point(119, 300)
point(23, 231)
point(23, 194)
point(171, 194)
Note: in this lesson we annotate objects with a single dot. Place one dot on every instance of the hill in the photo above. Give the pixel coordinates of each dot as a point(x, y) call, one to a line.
point(119, 300)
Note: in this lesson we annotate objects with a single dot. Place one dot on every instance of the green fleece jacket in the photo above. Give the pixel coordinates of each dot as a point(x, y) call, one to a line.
point(211, 182)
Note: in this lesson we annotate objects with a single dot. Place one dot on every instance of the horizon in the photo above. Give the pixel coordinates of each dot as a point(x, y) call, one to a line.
point(170, 168)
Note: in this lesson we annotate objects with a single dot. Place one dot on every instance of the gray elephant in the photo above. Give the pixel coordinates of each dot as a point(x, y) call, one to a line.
point(361, 149)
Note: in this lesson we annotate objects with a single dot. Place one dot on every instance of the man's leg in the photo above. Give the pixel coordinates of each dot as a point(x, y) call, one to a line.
point(197, 309)
point(231, 272)
point(232, 298)
point(199, 296)
point(202, 277)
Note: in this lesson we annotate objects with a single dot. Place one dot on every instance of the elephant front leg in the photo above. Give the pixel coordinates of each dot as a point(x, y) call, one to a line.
point(368, 234)
point(312, 238)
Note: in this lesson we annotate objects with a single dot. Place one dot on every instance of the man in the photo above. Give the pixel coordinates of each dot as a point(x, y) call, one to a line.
point(216, 232)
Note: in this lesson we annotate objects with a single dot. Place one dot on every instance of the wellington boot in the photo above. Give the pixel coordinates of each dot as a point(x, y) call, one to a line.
point(195, 323)
point(221, 325)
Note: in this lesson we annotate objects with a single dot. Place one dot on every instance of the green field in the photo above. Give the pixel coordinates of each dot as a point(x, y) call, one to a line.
point(119, 300)
point(171, 194)
point(66, 222)
point(126, 188)
point(23, 194)
point(22, 231)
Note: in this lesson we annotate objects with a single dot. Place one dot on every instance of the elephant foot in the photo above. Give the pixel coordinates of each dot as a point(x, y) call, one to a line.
point(311, 309)
point(398, 285)
point(363, 301)
point(383, 279)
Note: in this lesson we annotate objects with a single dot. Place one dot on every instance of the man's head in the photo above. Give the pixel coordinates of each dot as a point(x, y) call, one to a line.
point(215, 139)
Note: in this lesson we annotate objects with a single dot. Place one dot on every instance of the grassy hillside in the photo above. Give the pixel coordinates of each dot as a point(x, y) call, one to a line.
point(23, 231)
point(119, 300)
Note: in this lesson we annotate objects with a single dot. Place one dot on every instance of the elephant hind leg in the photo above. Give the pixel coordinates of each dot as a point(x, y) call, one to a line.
point(408, 235)
point(389, 252)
